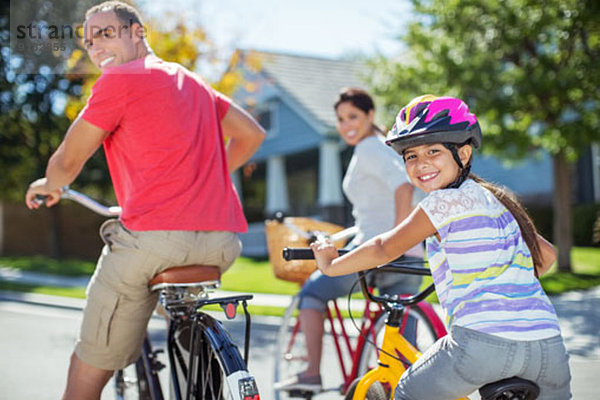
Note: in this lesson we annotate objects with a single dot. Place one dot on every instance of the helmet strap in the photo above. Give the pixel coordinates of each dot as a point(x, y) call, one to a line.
point(464, 169)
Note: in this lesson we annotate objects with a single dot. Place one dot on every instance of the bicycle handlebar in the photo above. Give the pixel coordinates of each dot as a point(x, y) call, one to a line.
point(87, 202)
point(305, 253)
point(394, 266)
point(315, 235)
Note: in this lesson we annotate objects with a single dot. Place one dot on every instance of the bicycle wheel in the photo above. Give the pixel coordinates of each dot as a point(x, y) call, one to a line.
point(290, 348)
point(216, 370)
point(134, 382)
point(375, 392)
point(423, 335)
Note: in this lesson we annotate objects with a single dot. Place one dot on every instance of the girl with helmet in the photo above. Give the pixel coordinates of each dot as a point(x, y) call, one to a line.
point(484, 254)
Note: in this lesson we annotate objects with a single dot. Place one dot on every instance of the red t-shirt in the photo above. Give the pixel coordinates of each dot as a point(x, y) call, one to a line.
point(165, 150)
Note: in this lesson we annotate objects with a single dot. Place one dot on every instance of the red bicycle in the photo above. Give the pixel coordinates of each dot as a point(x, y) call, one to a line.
point(355, 342)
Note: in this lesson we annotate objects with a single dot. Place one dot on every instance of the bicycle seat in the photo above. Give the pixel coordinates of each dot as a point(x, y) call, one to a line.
point(186, 276)
point(514, 388)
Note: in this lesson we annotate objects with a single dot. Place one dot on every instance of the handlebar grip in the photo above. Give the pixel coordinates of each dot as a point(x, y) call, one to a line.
point(303, 253)
point(40, 199)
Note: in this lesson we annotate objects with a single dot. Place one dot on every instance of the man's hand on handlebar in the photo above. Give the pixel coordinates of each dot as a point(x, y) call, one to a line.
point(325, 252)
point(38, 189)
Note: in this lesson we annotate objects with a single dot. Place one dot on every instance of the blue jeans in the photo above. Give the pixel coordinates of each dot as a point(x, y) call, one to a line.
point(464, 360)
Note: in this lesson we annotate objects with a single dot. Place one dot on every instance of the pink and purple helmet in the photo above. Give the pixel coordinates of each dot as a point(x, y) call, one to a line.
point(429, 119)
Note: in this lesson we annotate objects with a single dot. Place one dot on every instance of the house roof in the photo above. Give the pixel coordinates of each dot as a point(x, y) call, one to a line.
point(312, 81)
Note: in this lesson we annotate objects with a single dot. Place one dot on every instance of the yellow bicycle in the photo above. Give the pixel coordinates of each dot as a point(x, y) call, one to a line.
point(396, 353)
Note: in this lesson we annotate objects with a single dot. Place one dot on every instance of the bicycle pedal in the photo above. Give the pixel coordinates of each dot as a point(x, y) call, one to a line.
point(157, 365)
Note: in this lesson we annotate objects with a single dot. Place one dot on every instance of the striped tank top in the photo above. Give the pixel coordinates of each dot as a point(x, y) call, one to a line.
point(482, 267)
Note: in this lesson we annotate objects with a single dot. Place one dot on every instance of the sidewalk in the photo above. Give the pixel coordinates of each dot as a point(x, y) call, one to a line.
point(34, 278)
point(579, 311)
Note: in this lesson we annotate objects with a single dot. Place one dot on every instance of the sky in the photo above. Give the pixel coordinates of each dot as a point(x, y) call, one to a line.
point(323, 28)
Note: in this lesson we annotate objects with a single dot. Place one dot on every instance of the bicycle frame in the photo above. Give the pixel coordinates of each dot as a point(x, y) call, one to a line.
point(367, 328)
point(389, 369)
point(395, 346)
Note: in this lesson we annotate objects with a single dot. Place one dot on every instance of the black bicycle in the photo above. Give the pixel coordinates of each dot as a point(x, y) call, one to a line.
point(205, 364)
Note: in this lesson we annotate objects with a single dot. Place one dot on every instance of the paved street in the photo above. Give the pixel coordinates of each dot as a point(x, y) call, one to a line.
point(36, 341)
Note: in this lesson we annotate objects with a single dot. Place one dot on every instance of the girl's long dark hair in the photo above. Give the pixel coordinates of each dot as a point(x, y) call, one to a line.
point(510, 201)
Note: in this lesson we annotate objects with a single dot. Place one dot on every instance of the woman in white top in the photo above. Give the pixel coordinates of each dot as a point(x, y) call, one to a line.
point(375, 179)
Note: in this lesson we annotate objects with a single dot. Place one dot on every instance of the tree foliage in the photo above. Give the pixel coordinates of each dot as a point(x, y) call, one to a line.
point(30, 93)
point(530, 70)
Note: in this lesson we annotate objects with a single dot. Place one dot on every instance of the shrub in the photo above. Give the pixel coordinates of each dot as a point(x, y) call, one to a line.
point(586, 223)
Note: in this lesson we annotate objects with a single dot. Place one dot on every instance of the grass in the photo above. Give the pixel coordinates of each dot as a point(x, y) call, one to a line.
point(49, 265)
point(255, 276)
point(76, 292)
point(585, 274)
point(247, 275)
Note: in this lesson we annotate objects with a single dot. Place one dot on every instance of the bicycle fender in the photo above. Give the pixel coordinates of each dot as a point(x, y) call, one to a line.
point(220, 339)
point(381, 374)
point(232, 362)
point(246, 384)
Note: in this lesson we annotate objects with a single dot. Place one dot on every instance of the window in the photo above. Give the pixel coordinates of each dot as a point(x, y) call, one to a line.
point(265, 116)
point(264, 119)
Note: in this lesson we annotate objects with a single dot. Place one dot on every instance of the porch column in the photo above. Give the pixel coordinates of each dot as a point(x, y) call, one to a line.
point(277, 193)
point(331, 200)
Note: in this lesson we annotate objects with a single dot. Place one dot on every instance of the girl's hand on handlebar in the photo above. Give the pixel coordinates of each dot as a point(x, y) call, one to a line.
point(38, 188)
point(325, 252)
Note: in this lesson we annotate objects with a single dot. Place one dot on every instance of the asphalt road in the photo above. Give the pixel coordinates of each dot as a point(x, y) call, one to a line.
point(36, 342)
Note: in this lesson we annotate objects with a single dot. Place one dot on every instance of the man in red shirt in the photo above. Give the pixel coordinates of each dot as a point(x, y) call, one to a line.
point(163, 131)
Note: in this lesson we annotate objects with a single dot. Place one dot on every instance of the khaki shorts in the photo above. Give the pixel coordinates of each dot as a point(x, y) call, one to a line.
point(119, 303)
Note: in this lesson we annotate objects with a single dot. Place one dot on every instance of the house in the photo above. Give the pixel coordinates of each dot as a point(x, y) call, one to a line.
point(299, 168)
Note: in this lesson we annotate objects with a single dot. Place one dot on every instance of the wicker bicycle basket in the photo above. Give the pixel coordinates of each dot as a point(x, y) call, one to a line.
point(279, 236)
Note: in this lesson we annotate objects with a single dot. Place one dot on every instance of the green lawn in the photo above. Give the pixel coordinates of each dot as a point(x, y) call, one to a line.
point(252, 276)
point(585, 275)
point(247, 275)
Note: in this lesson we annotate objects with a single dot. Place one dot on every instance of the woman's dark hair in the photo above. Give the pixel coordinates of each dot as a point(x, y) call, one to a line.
point(359, 99)
point(510, 201)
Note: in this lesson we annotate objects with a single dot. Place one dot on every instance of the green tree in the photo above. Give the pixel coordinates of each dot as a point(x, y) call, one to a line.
point(529, 69)
point(31, 91)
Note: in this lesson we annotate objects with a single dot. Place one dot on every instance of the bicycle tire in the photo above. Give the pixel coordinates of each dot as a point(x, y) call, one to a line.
point(376, 391)
point(132, 383)
point(218, 371)
point(426, 334)
point(290, 348)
